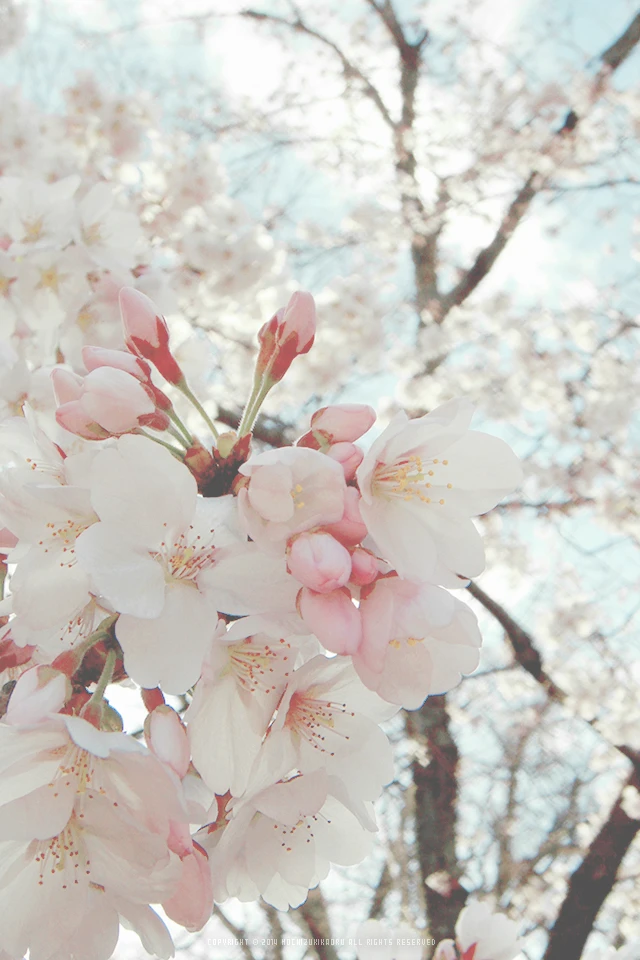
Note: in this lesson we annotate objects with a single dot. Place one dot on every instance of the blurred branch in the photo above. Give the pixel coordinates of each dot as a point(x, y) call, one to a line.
point(349, 69)
point(383, 887)
point(522, 644)
point(313, 913)
point(436, 797)
point(611, 59)
point(272, 431)
point(592, 882)
point(276, 931)
point(238, 932)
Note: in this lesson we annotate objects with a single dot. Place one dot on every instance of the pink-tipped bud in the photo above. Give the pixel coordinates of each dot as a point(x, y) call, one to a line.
point(167, 738)
point(333, 618)
point(364, 567)
point(344, 421)
point(192, 902)
point(72, 417)
point(289, 333)
point(107, 402)
point(39, 692)
point(445, 951)
point(147, 335)
point(94, 357)
point(115, 399)
point(350, 530)
point(67, 386)
point(348, 455)
point(319, 562)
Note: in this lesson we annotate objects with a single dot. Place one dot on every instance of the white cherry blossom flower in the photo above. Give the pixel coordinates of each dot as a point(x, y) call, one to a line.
point(85, 825)
point(422, 480)
point(146, 556)
point(289, 491)
point(282, 840)
point(241, 683)
point(327, 719)
point(417, 640)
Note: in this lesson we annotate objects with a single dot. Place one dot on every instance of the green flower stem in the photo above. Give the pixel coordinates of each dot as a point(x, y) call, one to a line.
point(186, 390)
point(178, 454)
point(171, 413)
point(105, 679)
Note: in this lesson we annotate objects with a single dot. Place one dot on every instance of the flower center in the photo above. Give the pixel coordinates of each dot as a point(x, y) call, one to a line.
point(396, 643)
point(253, 664)
point(296, 495)
point(311, 719)
point(410, 478)
point(65, 854)
point(188, 555)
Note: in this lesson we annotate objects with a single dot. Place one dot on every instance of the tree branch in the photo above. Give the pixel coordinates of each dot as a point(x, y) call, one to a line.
point(348, 68)
point(592, 882)
point(316, 919)
point(611, 59)
point(238, 932)
point(435, 805)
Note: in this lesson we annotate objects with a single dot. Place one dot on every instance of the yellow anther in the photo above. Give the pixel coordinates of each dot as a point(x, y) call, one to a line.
point(441, 502)
point(395, 644)
point(449, 486)
point(430, 473)
point(444, 461)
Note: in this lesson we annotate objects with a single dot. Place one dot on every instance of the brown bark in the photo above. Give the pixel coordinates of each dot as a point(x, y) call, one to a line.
point(592, 882)
point(435, 805)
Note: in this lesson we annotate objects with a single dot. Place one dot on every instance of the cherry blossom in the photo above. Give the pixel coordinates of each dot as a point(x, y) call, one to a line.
point(85, 824)
point(289, 491)
point(422, 480)
point(417, 640)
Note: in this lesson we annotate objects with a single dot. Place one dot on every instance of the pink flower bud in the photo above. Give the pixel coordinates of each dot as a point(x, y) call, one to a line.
point(333, 618)
point(344, 421)
point(192, 902)
point(445, 951)
point(67, 386)
point(94, 357)
point(73, 418)
point(167, 738)
point(319, 562)
point(115, 399)
point(348, 456)
point(39, 692)
point(289, 333)
point(350, 530)
point(147, 334)
point(364, 567)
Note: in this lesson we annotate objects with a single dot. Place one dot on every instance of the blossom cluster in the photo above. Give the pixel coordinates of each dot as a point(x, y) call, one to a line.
point(293, 599)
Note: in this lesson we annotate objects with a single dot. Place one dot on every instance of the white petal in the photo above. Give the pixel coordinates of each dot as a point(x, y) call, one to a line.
point(168, 651)
point(129, 578)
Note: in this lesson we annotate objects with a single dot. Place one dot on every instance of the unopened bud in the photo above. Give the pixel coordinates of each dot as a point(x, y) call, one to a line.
point(147, 334)
point(289, 333)
point(319, 561)
point(344, 421)
point(350, 530)
point(167, 738)
point(333, 618)
point(348, 455)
